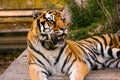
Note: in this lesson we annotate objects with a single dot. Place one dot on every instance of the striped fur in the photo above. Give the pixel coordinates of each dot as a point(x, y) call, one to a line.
point(49, 53)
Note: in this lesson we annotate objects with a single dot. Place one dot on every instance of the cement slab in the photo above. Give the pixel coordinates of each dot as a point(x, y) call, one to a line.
point(18, 70)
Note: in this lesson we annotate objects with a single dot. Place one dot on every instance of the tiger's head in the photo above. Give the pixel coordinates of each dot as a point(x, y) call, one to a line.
point(49, 28)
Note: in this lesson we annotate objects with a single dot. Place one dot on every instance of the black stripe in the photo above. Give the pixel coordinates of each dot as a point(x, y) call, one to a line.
point(66, 61)
point(70, 55)
point(42, 23)
point(119, 38)
point(118, 54)
point(110, 40)
point(69, 74)
point(82, 44)
point(110, 53)
point(107, 61)
point(94, 67)
point(87, 57)
point(81, 48)
point(100, 45)
point(38, 24)
point(117, 63)
point(31, 46)
point(111, 62)
point(60, 53)
point(95, 50)
point(71, 65)
point(88, 41)
point(38, 60)
point(46, 73)
point(91, 64)
point(104, 39)
point(91, 50)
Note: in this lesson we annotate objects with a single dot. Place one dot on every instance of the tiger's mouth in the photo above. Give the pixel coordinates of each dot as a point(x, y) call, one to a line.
point(54, 41)
point(57, 39)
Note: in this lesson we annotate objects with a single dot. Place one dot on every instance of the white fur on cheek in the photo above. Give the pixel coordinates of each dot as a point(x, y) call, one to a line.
point(50, 17)
point(66, 31)
point(41, 27)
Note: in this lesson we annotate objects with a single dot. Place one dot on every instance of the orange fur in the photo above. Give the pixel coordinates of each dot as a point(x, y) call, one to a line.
point(43, 60)
point(80, 66)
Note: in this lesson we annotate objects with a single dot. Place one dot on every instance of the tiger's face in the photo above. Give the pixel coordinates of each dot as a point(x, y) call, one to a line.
point(50, 28)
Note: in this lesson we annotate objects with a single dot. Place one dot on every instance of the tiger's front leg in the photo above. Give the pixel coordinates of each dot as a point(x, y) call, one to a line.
point(78, 71)
point(36, 72)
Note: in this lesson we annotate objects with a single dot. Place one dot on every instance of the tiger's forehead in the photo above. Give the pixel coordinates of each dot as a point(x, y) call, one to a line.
point(52, 12)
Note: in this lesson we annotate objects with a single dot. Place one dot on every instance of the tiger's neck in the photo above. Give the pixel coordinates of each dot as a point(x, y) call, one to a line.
point(37, 47)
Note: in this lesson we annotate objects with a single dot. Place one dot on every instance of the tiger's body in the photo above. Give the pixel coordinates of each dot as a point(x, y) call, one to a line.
point(50, 53)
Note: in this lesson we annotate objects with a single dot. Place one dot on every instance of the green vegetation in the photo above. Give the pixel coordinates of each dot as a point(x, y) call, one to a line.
point(84, 16)
point(85, 19)
point(82, 32)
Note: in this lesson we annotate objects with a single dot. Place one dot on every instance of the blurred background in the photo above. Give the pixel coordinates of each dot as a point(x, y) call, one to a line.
point(31, 4)
point(85, 18)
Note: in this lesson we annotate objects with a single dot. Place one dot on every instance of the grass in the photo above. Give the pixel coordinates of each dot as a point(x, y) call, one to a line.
point(82, 32)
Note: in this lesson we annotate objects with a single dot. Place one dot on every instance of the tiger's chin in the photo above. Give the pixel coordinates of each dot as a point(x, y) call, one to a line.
point(49, 45)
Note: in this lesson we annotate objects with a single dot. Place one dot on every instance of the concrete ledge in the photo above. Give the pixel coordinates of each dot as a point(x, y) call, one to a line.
point(18, 70)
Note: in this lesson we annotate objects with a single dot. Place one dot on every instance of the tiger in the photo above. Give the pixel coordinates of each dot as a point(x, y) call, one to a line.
point(50, 53)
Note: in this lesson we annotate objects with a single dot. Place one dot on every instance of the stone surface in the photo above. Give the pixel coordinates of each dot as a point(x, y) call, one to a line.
point(18, 70)
point(107, 74)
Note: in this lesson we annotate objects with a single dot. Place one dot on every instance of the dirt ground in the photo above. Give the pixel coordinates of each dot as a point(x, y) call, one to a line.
point(4, 65)
point(6, 59)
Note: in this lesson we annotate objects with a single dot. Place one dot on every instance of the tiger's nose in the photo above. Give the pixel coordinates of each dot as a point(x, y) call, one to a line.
point(63, 31)
point(62, 28)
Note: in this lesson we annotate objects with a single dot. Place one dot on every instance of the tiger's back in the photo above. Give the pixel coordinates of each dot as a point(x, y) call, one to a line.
point(101, 51)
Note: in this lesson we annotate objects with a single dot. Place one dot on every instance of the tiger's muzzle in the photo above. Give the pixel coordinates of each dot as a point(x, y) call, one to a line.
point(58, 36)
point(54, 39)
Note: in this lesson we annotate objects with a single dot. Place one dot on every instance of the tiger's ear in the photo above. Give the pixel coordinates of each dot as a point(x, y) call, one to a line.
point(35, 14)
point(39, 13)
